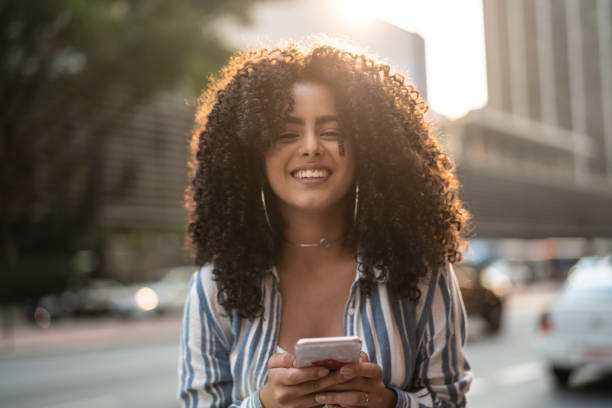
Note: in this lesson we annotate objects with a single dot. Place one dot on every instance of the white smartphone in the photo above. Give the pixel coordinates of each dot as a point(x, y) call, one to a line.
point(329, 352)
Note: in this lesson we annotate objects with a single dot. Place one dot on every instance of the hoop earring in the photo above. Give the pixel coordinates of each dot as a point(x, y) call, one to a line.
point(356, 205)
point(265, 208)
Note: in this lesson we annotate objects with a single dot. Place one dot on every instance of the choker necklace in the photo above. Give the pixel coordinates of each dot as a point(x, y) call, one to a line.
point(323, 243)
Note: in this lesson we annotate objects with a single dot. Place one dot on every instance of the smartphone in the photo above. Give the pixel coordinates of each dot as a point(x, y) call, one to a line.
point(329, 352)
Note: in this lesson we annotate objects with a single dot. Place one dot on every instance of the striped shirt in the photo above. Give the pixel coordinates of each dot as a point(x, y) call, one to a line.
point(223, 358)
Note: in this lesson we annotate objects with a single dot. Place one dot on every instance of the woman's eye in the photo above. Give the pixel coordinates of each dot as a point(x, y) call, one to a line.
point(330, 135)
point(287, 137)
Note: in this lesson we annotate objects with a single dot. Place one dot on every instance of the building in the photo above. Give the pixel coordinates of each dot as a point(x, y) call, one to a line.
point(145, 177)
point(537, 160)
point(303, 19)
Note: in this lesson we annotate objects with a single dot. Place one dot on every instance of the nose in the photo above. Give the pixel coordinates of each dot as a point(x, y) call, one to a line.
point(310, 144)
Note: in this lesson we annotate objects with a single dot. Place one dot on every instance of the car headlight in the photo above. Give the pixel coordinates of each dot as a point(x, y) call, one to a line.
point(146, 298)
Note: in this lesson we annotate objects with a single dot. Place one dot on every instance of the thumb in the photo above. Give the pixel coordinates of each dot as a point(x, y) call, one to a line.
point(363, 357)
point(281, 360)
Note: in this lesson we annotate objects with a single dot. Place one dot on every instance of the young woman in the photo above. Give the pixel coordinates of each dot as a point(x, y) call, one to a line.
point(321, 206)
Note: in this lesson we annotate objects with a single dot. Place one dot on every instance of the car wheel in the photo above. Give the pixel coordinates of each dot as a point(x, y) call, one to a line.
point(493, 317)
point(561, 376)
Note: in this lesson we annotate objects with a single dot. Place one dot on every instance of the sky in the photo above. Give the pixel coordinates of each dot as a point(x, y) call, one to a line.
point(452, 29)
point(454, 46)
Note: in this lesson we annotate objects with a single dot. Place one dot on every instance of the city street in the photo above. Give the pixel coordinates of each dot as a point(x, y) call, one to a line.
point(510, 373)
point(144, 139)
point(120, 364)
point(95, 364)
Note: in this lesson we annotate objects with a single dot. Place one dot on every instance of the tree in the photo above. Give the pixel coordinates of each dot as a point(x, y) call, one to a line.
point(68, 68)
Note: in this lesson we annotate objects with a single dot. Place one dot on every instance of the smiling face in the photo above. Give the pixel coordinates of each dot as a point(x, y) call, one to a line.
point(306, 166)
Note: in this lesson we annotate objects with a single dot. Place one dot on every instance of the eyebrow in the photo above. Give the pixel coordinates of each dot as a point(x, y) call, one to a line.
point(319, 120)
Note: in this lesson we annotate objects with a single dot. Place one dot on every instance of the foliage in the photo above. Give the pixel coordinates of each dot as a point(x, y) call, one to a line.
point(68, 69)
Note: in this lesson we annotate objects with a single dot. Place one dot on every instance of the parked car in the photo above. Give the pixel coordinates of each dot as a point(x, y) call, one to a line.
point(576, 331)
point(484, 287)
point(95, 297)
point(173, 288)
point(166, 295)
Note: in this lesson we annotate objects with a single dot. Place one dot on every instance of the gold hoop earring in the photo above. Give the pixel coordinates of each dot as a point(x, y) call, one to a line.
point(265, 208)
point(356, 205)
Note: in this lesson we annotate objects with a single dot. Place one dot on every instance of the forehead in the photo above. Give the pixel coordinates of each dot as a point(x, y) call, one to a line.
point(312, 99)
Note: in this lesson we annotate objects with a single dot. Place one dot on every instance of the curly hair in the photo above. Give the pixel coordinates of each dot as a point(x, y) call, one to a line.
point(410, 221)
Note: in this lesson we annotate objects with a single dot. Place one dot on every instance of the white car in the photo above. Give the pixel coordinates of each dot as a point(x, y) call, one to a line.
point(166, 295)
point(577, 330)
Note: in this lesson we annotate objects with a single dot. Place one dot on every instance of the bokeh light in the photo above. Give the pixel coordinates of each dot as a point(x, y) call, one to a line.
point(42, 317)
point(146, 299)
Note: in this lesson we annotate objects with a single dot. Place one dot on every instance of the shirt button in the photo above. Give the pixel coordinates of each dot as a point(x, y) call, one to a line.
point(351, 310)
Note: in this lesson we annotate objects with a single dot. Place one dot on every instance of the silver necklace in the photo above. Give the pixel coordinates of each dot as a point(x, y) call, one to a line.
point(323, 243)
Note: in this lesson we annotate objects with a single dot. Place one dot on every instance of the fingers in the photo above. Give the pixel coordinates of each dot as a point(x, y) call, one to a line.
point(297, 376)
point(285, 399)
point(361, 369)
point(356, 384)
point(357, 399)
point(281, 360)
point(300, 395)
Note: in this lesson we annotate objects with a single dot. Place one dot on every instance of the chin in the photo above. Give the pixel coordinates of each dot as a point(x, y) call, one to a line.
point(318, 205)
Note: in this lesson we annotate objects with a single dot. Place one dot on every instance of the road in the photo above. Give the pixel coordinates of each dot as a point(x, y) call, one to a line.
point(95, 364)
point(510, 373)
point(134, 365)
point(127, 375)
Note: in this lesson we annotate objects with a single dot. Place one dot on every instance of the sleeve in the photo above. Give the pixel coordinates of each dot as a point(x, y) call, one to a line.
point(205, 378)
point(443, 374)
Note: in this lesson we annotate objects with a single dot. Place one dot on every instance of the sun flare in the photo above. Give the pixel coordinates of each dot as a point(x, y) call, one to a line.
point(454, 45)
point(356, 11)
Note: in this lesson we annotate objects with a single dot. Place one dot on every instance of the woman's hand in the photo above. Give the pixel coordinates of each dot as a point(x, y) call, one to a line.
point(362, 386)
point(292, 387)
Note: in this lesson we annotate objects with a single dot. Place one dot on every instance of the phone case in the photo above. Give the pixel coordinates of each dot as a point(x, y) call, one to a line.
point(330, 352)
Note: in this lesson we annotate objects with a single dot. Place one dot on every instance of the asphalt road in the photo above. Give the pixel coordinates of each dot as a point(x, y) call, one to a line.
point(510, 373)
point(100, 366)
point(118, 375)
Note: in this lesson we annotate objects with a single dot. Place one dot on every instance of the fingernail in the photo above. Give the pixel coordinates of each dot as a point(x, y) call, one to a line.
point(320, 398)
point(322, 373)
point(346, 372)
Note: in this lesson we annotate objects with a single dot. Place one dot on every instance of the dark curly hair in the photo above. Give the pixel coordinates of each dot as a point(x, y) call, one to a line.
point(410, 221)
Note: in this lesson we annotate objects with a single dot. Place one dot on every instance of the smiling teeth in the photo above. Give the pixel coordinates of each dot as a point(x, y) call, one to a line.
point(312, 173)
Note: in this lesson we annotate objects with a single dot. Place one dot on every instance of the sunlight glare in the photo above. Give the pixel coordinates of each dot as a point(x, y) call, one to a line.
point(356, 11)
point(454, 47)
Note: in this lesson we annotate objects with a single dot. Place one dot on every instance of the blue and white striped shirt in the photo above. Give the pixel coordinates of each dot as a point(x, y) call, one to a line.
point(223, 359)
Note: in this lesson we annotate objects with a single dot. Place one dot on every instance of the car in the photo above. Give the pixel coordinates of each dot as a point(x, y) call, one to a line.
point(173, 288)
point(166, 295)
point(95, 297)
point(484, 287)
point(576, 330)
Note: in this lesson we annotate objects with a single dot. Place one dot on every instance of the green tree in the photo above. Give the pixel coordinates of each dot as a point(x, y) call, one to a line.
point(68, 69)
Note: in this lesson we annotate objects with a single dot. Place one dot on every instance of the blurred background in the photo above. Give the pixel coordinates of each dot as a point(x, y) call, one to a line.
point(99, 99)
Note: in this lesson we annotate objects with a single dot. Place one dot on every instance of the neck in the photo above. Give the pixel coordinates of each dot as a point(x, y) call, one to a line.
point(302, 227)
point(310, 228)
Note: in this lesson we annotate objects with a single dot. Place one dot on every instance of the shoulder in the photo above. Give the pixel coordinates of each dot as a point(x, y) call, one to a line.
point(202, 282)
point(204, 302)
point(439, 290)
